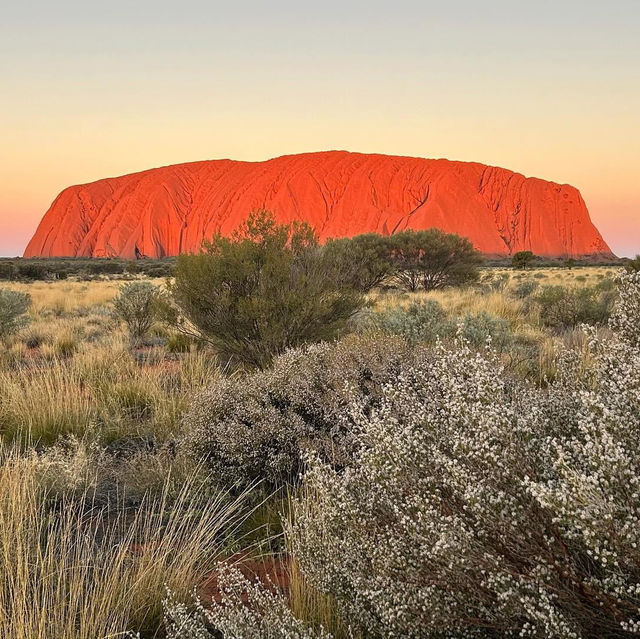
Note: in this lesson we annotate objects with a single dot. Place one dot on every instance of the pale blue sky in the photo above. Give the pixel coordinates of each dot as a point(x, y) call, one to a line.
point(546, 88)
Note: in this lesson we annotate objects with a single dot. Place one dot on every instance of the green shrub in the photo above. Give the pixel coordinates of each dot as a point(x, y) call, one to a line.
point(481, 329)
point(433, 259)
point(363, 261)
point(562, 307)
point(419, 322)
point(522, 259)
point(266, 289)
point(13, 311)
point(8, 270)
point(135, 304)
point(132, 267)
point(32, 270)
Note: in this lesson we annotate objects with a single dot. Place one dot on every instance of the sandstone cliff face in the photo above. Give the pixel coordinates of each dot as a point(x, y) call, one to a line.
point(170, 210)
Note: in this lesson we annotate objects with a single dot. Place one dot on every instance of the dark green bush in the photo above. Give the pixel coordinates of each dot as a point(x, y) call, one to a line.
point(522, 259)
point(363, 261)
point(433, 259)
point(567, 307)
point(267, 288)
point(8, 270)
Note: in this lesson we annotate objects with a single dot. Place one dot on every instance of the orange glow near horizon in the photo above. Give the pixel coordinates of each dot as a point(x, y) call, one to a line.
point(90, 93)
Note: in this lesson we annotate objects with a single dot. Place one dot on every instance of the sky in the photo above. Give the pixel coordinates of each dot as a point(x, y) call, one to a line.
point(550, 89)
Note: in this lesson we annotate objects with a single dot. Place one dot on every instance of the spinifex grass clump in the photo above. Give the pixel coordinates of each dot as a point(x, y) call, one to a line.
point(100, 394)
point(70, 571)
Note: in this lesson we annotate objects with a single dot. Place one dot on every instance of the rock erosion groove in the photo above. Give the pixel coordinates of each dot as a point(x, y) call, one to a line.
point(169, 210)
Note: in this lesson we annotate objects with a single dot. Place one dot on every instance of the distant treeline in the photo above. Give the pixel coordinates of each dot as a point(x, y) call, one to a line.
point(61, 268)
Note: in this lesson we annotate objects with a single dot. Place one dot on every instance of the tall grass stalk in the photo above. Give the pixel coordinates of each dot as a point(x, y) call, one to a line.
point(69, 571)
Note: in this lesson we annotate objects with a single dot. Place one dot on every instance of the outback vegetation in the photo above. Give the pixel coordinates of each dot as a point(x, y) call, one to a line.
point(378, 437)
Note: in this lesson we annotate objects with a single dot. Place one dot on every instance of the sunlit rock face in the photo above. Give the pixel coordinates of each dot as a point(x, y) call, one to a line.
point(170, 210)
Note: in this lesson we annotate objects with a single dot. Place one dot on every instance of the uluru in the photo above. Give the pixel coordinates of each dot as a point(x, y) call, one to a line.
point(170, 210)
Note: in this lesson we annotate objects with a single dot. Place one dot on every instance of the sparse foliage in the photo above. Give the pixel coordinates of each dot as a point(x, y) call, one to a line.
point(135, 304)
point(13, 311)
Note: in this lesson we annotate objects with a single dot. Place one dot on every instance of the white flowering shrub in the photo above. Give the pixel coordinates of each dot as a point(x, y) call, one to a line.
point(481, 508)
point(246, 610)
point(626, 315)
point(256, 427)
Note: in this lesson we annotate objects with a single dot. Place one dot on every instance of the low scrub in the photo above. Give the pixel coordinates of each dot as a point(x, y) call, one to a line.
point(13, 311)
point(567, 307)
point(478, 508)
point(257, 426)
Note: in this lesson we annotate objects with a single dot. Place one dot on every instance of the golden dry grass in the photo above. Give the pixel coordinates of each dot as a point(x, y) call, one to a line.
point(62, 297)
point(70, 572)
point(71, 371)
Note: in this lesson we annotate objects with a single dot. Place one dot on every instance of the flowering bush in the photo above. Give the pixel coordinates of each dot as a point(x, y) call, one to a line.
point(626, 316)
point(476, 507)
point(246, 611)
point(256, 426)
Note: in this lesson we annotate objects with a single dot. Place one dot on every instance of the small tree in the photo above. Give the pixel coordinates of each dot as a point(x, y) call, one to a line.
point(136, 305)
point(522, 259)
point(363, 261)
point(13, 311)
point(433, 259)
point(267, 288)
